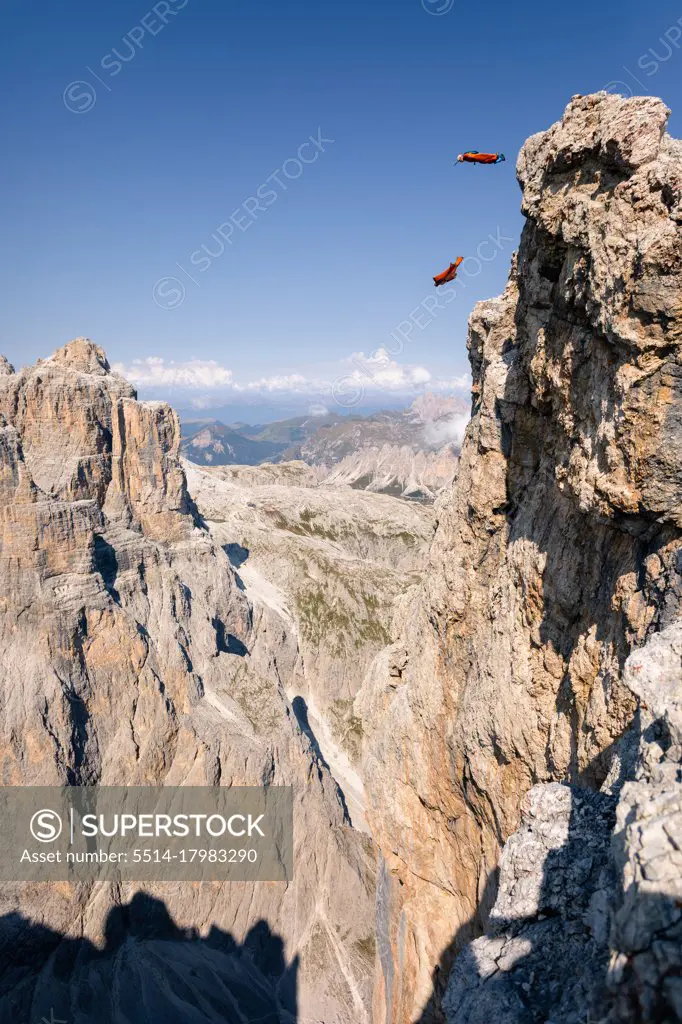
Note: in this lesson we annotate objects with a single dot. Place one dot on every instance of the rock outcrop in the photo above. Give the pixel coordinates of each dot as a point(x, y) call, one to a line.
point(645, 968)
point(545, 953)
point(557, 554)
point(131, 655)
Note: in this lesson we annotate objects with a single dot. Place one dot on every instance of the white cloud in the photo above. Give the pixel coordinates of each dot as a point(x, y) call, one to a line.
point(155, 372)
point(440, 432)
point(461, 383)
point(207, 383)
point(203, 402)
point(387, 374)
point(291, 383)
point(318, 409)
point(384, 373)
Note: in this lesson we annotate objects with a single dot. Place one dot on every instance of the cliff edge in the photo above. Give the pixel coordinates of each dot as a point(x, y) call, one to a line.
point(557, 555)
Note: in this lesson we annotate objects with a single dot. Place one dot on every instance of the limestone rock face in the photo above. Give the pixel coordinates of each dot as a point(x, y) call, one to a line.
point(131, 655)
point(62, 408)
point(557, 552)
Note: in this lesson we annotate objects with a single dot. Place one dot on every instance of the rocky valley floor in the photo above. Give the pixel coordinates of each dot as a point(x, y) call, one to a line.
point(327, 564)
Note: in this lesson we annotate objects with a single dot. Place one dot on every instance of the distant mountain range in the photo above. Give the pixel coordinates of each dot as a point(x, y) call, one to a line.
point(411, 453)
point(215, 444)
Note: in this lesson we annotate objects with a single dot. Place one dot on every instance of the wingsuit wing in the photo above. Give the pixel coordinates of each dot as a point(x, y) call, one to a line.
point(472, 156)
point(448, 275)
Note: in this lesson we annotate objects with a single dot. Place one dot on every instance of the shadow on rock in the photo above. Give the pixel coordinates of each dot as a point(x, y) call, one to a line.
point(574, 937)
point(544, 956)
point(149, 970)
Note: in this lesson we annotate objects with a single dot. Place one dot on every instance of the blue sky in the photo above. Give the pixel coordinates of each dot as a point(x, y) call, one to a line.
point(117, 170)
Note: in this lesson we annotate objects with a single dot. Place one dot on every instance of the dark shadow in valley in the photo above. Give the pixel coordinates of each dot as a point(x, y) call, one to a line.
point(300, 709)
point(236, 646)
point(191, 508)
point(237, 556)
point(80, 720)
point(149, 970)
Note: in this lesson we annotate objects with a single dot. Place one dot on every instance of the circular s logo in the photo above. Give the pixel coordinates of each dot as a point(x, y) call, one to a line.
point(618, 88)
point(438, 7)
point(79, 97)
point(348, 390)
point(46, 826)
point(168, 292)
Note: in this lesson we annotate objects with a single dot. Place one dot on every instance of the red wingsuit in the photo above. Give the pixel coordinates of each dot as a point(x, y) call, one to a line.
point(472, 157)
point(448, 275)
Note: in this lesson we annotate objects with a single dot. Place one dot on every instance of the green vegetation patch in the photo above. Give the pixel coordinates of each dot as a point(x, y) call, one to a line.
point(335, 625)
point(322, 622)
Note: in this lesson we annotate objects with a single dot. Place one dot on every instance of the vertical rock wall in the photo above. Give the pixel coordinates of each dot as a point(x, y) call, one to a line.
point(556, 554)
point(130, 656)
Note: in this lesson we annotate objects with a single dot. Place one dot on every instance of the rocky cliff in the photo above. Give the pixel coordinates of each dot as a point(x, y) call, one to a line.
point(131, 655)
point(556, 556)
point(516, 705)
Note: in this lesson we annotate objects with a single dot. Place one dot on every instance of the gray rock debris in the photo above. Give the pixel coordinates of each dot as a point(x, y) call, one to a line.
point(587, 925)
point(646, 938)
point(544, 956)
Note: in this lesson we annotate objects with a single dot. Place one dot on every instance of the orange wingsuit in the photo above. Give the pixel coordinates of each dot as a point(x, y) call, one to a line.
point(448, 275)
point(480, 158)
